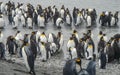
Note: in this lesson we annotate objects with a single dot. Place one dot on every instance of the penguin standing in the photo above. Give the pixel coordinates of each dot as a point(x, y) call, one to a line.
point(89, 51)
point(43, 52)
point(91, 67)
point(28, 58)
point(16, 21)
point(59, 21)
point(112, 20)
point(70, 67)
point(43, 38)
point(79, 18)
point(33, 44)
point(41, 21)
point(29, 22)
point(88, 20)
point(23, 20)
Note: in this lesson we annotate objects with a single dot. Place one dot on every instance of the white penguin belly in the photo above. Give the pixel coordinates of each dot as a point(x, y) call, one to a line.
point(88, 21)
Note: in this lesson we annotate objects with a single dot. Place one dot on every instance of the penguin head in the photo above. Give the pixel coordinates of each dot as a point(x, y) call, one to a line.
point(78, 61)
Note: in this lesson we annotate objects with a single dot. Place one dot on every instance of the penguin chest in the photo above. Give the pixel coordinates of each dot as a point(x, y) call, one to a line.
point(70, 44)
point(90, 50)
point(43, 39)
point(58, 21)
point(74, 53)
point(50, 39)
point(62, 13)
point(29, 21)
point(68, 19)
point(43, 52)
point(42, 20)
point(88, 21)
point(78, 19)
point(112, 21)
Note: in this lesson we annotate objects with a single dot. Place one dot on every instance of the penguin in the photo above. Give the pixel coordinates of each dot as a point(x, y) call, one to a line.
point(38, 33)
point(29, 22)
point(79, 19)
point(100, 35)
point(50, 38)
point(33, 44)
point(2, 7)
point(43, 52)
point(41, 21)
point(11, 45)
point(59, 21)
point(110, 53)
point(53, 48)
point(43, 38)
point(28, 58)
point(102, 60)
point(112, 20)
point(88, 19)
point(101, 44)
point(23, 20)
point(80, 49)
point(91, 67)
point(73, 52)
point(70, 43)
point(68, 19)
point(16, 21)
point(76, 34)
point(60, 41)
point(2, 21)
point(62, 12)
point(70, 66)
point(89, 51)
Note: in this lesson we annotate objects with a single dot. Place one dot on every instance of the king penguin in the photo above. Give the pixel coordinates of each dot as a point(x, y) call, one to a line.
point(28, 58)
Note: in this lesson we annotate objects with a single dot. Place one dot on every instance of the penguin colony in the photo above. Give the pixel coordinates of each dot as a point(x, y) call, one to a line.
point(29, 16)
point(29, 46)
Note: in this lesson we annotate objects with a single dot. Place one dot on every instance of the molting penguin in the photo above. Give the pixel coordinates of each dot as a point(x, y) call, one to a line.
point(28, 58)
